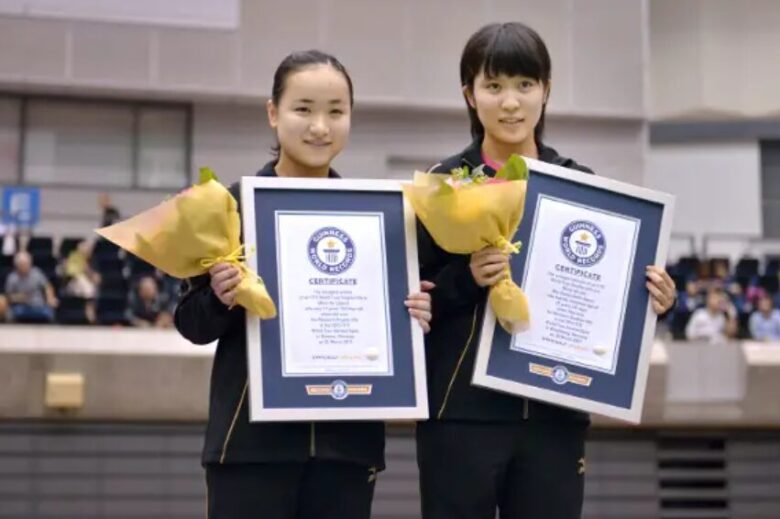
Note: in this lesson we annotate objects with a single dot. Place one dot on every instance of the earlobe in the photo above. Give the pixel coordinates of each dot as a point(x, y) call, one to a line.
point(467, 93)
point(272, 113)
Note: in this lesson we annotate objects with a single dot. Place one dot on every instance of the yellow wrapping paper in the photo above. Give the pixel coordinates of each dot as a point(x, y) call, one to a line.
point(465, 219)
point(191, 232)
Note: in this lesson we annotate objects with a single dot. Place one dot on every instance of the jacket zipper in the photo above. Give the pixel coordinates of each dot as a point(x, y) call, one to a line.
point(460, 361)
point(525, 400)
point(233, 423)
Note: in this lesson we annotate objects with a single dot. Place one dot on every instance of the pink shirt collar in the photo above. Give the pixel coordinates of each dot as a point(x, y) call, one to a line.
point(492, 164)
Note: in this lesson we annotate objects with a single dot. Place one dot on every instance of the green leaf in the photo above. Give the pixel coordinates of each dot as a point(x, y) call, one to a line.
point(478, 176)
point(207, 174)
point(461, 173)
point(514, 169)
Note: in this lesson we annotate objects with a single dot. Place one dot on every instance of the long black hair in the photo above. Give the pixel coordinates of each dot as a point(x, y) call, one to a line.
point(300, 60)
point(513, 49)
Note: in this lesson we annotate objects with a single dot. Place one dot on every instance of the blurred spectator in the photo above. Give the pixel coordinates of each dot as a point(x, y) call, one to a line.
point(765, 322)
point(148, 307)
point(691, 299)
point(29, 292)
point(754, 293)
point(739, 298)
point(82, 280)
point(3, 309)
point(720, 271)
point(110, 212)
point(718, 275)
point(715, 322)
point(7, 239)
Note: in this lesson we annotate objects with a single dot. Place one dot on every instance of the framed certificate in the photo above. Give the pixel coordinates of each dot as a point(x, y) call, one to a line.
point(586, 243)
point(339, 258)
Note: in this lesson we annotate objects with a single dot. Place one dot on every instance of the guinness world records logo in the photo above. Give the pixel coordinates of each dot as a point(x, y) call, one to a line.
point(583, 243)
point(331, 250)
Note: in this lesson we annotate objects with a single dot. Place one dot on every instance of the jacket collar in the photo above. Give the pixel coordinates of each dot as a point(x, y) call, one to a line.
point(269, 170)
point(472, 155)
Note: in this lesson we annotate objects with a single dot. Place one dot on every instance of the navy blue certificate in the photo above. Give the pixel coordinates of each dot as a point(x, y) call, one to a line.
point(338, 257)
point(586, 243)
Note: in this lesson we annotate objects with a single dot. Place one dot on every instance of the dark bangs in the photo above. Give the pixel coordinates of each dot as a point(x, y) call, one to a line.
point(516, 52)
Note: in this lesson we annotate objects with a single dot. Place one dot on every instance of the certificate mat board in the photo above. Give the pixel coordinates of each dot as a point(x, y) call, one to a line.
point(586, 243)
point(338, 257)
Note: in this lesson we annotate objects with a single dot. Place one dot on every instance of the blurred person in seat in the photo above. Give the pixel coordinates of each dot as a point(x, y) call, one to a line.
point(716, 322)
point(148, 307)
point(110, 213)
point(8, 239)
point(3, 308)
point(764, 323)
point(691, 298)
point(81, 279)
point(29, 293)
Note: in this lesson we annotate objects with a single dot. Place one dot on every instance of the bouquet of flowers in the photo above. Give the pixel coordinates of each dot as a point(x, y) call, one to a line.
point(189, 233)
point(467, 211)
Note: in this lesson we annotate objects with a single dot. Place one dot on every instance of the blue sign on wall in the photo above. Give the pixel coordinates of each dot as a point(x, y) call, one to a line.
point(21, 205)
